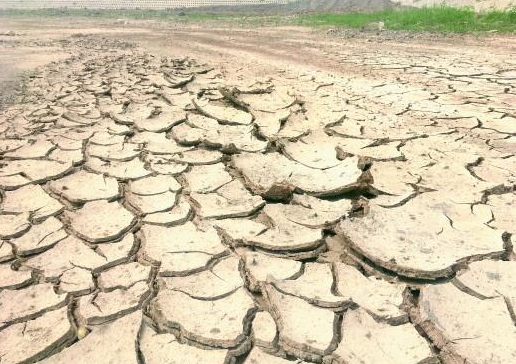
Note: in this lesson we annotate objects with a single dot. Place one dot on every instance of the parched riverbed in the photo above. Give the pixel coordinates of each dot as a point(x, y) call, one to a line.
point(177, 193)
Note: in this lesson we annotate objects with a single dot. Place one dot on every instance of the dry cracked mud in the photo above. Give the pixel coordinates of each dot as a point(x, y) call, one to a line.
point(159, 209)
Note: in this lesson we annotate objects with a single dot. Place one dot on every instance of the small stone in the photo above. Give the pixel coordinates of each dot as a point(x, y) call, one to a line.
point(81, 332)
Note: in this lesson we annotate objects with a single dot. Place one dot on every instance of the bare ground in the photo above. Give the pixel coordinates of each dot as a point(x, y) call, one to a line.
point(197, 193)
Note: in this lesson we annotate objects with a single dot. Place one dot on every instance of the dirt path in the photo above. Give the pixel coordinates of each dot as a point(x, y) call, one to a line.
point(276, 195)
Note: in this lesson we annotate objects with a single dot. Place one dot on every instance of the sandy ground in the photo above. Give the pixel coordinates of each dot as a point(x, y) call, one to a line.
point(205, 194)
point(238, 49)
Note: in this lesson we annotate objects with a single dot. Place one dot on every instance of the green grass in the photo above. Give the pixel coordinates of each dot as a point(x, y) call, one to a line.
point(441, 19)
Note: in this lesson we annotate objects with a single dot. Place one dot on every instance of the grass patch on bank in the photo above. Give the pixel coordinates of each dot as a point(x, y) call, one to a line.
point(442, 19)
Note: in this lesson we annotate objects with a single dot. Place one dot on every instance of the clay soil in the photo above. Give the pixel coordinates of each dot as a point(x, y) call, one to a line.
point(205, 193)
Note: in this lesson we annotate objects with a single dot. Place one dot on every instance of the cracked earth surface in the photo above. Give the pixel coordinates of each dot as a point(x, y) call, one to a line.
point(162, 209)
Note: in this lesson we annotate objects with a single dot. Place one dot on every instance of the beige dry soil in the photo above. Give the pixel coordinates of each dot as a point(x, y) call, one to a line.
point(176, 194)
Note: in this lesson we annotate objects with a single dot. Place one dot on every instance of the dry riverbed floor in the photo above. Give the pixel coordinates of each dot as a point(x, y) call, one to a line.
point(179, 194)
